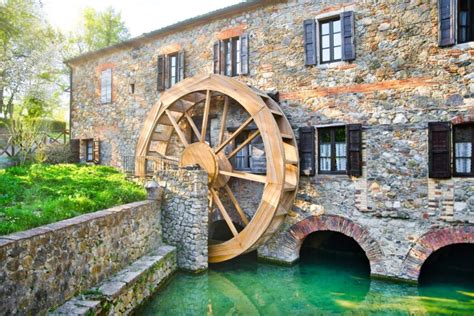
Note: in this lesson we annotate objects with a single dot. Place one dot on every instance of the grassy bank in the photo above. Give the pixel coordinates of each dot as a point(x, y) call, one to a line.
point(41, 194)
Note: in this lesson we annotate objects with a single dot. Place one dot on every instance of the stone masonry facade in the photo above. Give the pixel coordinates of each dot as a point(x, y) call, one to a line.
point(399, 81)
point(185, 216)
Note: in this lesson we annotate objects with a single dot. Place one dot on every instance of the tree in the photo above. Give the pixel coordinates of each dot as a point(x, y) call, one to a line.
point(28, 58)
point(101, 29)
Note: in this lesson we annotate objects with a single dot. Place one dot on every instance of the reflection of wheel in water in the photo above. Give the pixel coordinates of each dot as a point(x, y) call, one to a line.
point(175, 114)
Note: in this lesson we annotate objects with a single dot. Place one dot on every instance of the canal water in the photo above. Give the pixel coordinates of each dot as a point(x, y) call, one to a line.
point(319, 284)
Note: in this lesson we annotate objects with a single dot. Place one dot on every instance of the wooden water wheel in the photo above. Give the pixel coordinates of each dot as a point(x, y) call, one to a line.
point(173, 116)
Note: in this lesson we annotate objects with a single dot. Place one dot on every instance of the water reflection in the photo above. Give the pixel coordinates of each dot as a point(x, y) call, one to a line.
point(320, 284)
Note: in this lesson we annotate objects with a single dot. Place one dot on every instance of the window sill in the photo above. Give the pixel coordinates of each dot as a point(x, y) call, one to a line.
point(463, 46)
point(332, 65)
point(327, 176)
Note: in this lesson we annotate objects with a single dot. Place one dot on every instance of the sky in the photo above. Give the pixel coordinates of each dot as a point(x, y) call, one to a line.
point(140, 16)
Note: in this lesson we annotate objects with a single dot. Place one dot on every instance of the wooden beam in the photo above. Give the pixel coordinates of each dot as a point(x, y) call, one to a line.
point(205, 118)
point(234, 134)
point(245, 176)
point(224, 213)
point(236, 204)
point(248, 140)
point(223, 121)
point(193, 125)
point(178, 130)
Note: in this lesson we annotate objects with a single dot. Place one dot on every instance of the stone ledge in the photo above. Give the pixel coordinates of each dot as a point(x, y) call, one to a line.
point(41, 230)
point(127, 289)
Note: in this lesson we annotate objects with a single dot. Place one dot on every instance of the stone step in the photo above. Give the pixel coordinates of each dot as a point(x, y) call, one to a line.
point(124, 291)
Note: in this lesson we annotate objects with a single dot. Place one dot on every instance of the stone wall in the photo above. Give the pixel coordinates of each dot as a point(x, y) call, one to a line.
point(400, 80)
point(43, 267)
point(185, 215)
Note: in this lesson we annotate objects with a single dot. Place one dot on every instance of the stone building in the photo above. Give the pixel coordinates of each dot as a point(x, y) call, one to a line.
point(385, 85)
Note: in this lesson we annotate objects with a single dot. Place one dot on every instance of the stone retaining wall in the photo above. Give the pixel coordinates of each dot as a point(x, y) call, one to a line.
point(185, 215)
point(43, 267)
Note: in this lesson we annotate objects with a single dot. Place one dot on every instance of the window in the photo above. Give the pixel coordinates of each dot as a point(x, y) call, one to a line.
point(242, 158)
point(106, 86)
point(465, 21)
point(332, 150)
point(170, 70)
point(89, 150)
point(173, 68)
point(463, 139)
point(307, 150)
point(232, 56)
point(330, 40)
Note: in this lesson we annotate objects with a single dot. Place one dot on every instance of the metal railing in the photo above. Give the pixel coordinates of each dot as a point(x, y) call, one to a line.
point(153, 164)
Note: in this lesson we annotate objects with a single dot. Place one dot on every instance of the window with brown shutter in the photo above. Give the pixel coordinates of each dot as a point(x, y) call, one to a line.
point(463, 139)
point(332, 151)
point(306, 149)
point(231, 56)
point(439, 149)
point(170, 69)
point(354, 150)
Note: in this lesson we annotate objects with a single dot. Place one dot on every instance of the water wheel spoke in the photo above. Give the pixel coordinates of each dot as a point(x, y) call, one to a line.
point(223, 120)
point(236, 204)
point(193, 125)
point(224, 213)
point(248, 140)
point(234, 134)
point(205, 117)
point(245, 176)
point(178, 130)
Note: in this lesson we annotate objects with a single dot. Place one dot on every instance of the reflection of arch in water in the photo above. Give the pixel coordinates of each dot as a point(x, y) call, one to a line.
point(298, 232)
point(429, 243)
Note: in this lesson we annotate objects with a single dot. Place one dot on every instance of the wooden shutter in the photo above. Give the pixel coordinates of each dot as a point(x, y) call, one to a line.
point(217, 57)
point(446, 28)
point(354, 149)
point(96, 153)
point(75, 145)
point(244, 54)
point(307, 151)
point(181, 65)
point(161, 72)
point(439, 137)
point(348, 32)
point(309, 42)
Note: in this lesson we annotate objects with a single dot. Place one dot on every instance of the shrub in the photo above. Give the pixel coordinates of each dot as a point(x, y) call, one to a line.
point(55, 153)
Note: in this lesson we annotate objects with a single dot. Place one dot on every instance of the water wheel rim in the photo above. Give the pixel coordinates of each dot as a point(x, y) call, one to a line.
point(269, 132)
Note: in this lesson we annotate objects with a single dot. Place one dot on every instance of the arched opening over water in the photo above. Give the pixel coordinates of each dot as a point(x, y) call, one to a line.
point(453, 264)
point(335, 249)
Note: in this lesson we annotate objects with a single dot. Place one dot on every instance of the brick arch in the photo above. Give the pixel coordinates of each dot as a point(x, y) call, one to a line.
point(298, 232)
point(429, 243)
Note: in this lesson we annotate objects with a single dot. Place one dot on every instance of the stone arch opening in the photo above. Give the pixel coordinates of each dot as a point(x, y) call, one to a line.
point(449, 264)
point(335, 248)
point(298, 232)
point(429, 243)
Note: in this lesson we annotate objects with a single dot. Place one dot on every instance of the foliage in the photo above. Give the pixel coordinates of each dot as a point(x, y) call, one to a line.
point(56, 153)
point(100, 29)
point(30, 70)
point(27, 136)
point(36, 195)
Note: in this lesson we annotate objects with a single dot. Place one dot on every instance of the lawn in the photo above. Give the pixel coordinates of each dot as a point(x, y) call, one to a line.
point(41, 194)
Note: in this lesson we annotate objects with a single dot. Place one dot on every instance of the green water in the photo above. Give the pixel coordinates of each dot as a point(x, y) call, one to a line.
point(320, 284)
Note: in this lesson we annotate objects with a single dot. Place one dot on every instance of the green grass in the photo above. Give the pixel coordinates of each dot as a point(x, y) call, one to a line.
point(36, 195)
